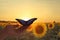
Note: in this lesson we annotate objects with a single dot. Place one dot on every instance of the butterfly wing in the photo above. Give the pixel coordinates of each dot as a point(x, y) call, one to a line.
point(21, 21)
point(31, 21)
point(26, 23)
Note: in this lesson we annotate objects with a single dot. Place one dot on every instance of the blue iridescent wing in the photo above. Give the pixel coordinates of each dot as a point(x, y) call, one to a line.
point(26, 23)
point(21, 21)
point(31, 21)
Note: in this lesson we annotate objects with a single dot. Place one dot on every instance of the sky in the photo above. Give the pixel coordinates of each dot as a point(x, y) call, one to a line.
point(44, 10)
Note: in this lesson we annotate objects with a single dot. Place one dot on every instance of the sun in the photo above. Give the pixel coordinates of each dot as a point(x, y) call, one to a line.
point(26, 19)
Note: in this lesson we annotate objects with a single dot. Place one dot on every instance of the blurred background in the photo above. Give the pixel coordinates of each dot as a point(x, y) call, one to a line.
point(44, 10)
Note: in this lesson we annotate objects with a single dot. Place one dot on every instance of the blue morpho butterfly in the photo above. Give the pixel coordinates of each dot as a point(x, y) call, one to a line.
point(25, 24)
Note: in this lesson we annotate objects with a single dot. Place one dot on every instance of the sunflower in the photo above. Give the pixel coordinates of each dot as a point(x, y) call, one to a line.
point(51, 26)
point(39, 30)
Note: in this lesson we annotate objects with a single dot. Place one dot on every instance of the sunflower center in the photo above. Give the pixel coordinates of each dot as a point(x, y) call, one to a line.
point(39, 29)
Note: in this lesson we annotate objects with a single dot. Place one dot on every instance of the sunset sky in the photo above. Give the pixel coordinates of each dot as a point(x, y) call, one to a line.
point(44, 10)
